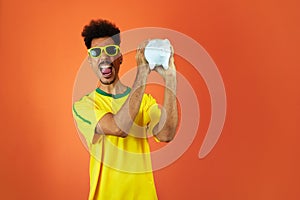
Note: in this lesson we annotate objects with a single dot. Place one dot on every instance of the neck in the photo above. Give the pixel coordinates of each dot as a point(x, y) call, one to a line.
point(115, 88)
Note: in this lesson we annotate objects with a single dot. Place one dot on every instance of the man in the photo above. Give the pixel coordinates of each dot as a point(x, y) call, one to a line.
point(116, 120)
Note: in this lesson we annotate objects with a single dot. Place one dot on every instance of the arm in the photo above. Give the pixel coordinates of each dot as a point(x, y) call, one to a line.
point(119, 124)
point(166, 128)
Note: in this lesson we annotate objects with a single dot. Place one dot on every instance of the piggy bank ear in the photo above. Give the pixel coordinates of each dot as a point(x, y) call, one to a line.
point(167, 42)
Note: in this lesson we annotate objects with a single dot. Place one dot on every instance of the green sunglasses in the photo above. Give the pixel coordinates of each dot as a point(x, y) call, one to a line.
point(110, 50)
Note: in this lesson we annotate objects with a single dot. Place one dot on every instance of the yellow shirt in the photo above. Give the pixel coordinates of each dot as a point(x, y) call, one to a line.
point(120, 168)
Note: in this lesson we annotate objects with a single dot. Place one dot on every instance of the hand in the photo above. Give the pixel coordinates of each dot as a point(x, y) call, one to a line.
point(140, 57)
point(171, 71)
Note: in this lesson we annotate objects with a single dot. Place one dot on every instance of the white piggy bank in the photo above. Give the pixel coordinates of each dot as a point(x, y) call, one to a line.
point(157, 52)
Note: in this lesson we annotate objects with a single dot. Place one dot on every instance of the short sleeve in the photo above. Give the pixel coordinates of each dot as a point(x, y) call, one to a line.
point(152, 112)
point(87, 114)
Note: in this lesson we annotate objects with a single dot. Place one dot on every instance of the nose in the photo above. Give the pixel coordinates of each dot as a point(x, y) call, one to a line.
point(103, 56)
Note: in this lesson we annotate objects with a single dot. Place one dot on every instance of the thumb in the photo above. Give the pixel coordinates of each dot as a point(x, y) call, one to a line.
point(160, 70)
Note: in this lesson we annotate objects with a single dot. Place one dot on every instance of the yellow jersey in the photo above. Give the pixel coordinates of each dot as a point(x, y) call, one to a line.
point(120, 168)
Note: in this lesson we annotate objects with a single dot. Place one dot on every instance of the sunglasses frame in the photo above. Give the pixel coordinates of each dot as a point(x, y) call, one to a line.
point(104, 49)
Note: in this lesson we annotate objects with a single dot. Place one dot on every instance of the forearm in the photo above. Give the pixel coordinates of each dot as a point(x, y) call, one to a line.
point(119, 124)
point(166, 128)
point(127, 113)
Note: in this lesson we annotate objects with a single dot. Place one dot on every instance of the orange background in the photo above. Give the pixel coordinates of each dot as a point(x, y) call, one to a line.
point(255, 45)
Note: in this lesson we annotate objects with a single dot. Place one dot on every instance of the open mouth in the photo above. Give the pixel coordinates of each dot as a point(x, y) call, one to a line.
point(106, 69)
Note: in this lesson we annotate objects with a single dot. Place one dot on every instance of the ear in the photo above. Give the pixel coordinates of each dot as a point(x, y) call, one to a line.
point(121, 58)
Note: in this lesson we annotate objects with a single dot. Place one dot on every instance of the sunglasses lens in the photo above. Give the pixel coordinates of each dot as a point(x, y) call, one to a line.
point(95, 52)
point(111, 50)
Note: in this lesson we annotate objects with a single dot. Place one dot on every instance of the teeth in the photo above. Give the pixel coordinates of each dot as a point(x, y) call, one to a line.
point(105, 66)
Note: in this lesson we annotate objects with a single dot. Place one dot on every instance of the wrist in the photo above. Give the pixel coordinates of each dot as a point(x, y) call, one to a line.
point(170, 75)
point(143, 71)
point(141, 78)
point(171, 83)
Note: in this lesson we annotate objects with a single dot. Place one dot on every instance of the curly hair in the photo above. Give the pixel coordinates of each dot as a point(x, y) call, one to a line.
point(100, 28)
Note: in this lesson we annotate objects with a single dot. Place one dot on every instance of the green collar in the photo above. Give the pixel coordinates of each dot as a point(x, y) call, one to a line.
point(115, 96)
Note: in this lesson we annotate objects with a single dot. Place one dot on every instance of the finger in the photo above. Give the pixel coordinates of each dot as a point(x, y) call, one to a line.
point(171, 60)
point(172, 50)
point(141, 50)
point(143, 44)
point(159, 69)
point(140, 58)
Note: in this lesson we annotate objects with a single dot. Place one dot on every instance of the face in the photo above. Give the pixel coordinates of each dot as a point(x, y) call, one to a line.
point(106, 67)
